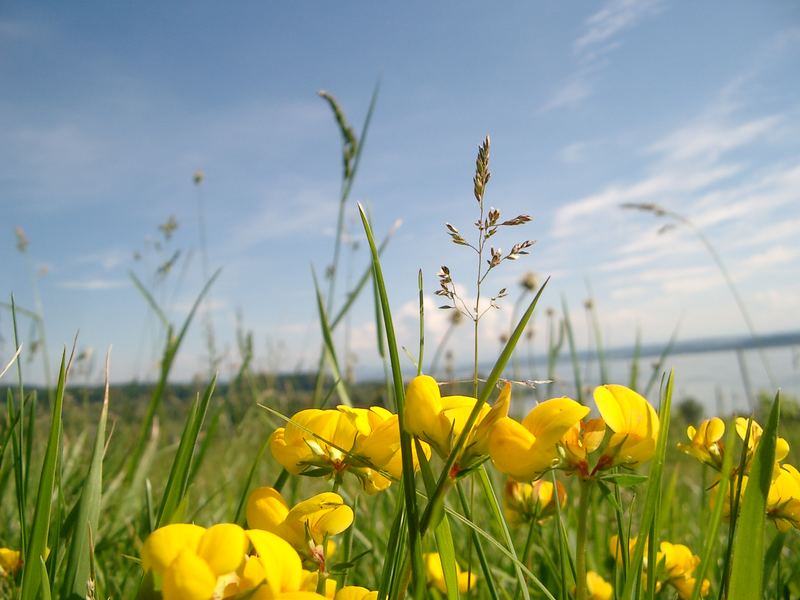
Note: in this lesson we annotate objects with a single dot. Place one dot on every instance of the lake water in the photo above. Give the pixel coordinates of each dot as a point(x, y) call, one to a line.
point(715, 379)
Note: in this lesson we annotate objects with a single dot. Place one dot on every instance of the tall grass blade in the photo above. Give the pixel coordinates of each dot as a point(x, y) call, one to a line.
point(171, 347)
point(77, 574)
point(649, 513)
point(747, 571)
point(486, 568)
point(712, 531)
point(662, 358)
point(34, 571)
point(573, 353)
point(329, 348)
point(239, 517)
point(409, 487)
point(486, 391)
point(177, 482)
point(494, 507)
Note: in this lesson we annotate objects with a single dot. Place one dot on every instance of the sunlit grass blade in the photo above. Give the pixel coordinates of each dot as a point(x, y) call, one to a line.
point(494, 507)
point(392, 560)
point(77, 573)
point(171, 346)
point(37, 541)
point(486, 567)
point(409, 486)
point(573, 353)
point(662, 358)
point(747, 570)
point(712, 530)
point(182, 464)
point(239, 517)
point(442, 533)
point(486, 391)
point(329, 347)
point(650, 510)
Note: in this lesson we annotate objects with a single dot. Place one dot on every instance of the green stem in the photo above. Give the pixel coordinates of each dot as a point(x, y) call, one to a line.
point(580, 545)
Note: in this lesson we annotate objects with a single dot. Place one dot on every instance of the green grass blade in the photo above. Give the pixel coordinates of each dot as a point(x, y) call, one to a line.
point(486, 568)
point(712, 531)
point(239, 517)
point(409, 487)
point(661, 360)
point(573, 353)
point(77, 574)
point(177, 482)
point(149, 299)
point(45, 580)
point(329, 348)
point(486, 392)
point(633, 382)
point(442, 533)
point(37, 542)
point(747, 571)
point(391, 564)
point(494, 507)
point(649, 513)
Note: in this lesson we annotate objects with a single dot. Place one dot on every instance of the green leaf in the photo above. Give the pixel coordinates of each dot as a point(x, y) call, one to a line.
point(329, 348)
point(178, 480)
point(747, 571)
point(78, 557)
point(33, 571)
point(650, 511)
point(409, 487)
point(712, 532)
point(624, 479)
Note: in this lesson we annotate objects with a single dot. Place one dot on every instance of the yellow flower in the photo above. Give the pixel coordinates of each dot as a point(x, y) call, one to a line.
point(439, 420)
point(599, 588)
point(354, 592)
point(579, 441)
point(435, 574)
point(705, 442)
point(615, 548)
point(781, 445)
point(308, 521)
point(525, 502)
point(360, 441)
point(10, 561)
point(783, 500)
point(678, 564)
point(194, 563)
point(282, 569)
point(634, 423)
point(526, 450)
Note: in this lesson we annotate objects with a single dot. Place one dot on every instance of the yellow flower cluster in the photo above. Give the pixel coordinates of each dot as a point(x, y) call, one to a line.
point(10, 561)
point(328, 443)
point(675, 565)
point(527, 502)
point(554, 436)
point(783, 501)
point(434, 573)
point(190, 562)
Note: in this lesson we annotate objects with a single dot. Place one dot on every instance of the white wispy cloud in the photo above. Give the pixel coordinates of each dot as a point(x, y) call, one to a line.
point(93, 284)
point(603, 28)
point(601, 34)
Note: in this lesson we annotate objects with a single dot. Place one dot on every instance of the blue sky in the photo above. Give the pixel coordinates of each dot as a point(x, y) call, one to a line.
point(107, 110)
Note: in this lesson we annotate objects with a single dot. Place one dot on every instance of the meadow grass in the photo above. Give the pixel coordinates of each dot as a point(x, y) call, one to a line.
point(429, 511)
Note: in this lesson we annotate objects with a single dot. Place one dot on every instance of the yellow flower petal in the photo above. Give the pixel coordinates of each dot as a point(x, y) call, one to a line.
point(223, 547)
point(163, 545)
point(283, 570)
point(188, 577)
point(354, 592)
point(515, 451)
point(551, 419)
point(266, 509)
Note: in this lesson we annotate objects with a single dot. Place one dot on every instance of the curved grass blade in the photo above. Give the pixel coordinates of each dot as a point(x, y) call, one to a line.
point(409, 487)
point(79, 555)
point(649, 514)
point(476, 541)
point(486, 391)
point(712, 532)
point(329, 348)
point(34, 571)
point(240, 508)
point(177, 482)
point(747, 571)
